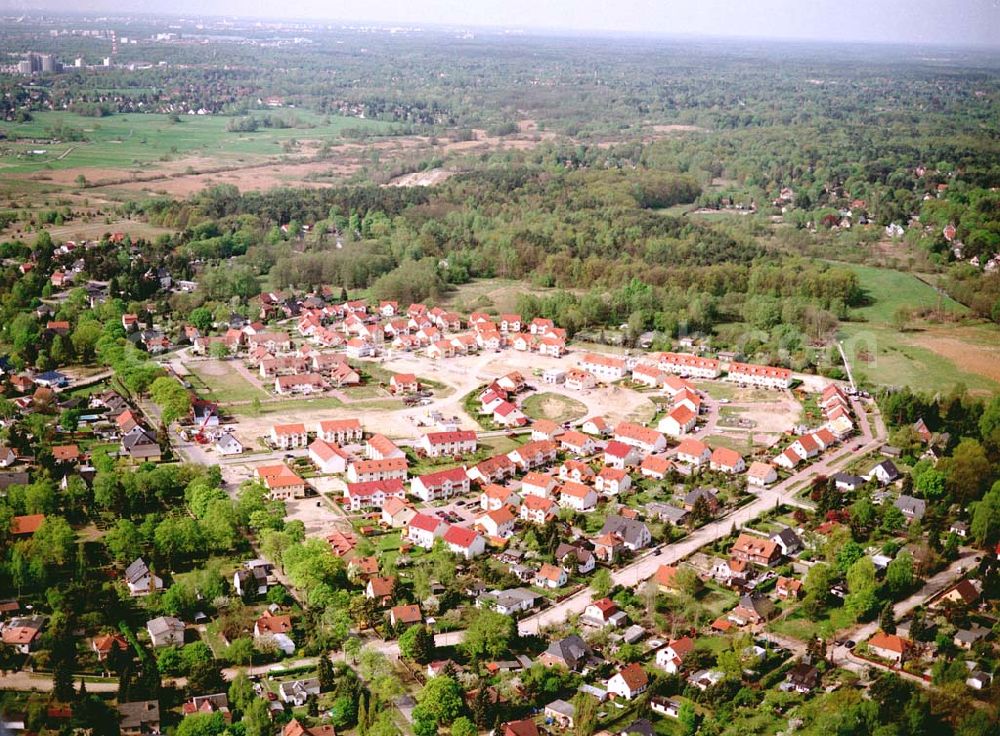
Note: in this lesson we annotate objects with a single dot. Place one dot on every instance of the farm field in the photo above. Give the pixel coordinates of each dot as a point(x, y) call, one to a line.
point(927, 355)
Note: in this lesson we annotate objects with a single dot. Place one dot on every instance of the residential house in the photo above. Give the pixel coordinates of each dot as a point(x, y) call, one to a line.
point(629, 682)
point(139, 718)
point(655, 466)
point(635, 535)
point(498, 523)
point(788, 588)
point(761, 474)
point(618, 455)
point(405, 615)
point(289, 436)
point(913, 509)
point(788, 541)
point(756, 550)
point(890, 647)
point(373, 494)
point(537, 510)
point(605, 368)
point(570, 555)
point(761, 376)
point(165, 631)
point(642, 438)
point(572, 653)
point(440, 485)
point(551, 576)
point(693, 452)
point(728, 461)
point(678, 422)
point(297, 692)
point(423, 529)
point(671, 657)
point(577, 496)
point(327, 457)
point(612, 481)
point(752, 609)
point(885, 473)
point(448, 444)
point(339, 431)
point(603, 613)
point(802, 678)
point(140, 580)
point(464, 542)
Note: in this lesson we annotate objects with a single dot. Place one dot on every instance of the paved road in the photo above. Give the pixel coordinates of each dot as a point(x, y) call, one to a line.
point(29, 681)
point(843, 657)
point(646, 566)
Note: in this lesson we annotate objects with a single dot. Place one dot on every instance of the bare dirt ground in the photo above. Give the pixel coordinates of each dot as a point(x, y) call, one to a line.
point(461, 375)
point(974, 350)
point(421, 178)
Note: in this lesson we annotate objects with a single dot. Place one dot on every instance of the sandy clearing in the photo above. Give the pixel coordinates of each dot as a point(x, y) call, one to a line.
point(421, 178)
point(965, 349)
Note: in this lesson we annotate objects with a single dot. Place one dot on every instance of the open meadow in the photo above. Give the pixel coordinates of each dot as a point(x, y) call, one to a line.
point(932, 354)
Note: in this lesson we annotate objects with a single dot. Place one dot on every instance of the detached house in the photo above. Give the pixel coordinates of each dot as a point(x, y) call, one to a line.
point(693, 452)
point(629, 682)
point(423, 529)
point(464, 542)
point(140, 580)
point(756, 550)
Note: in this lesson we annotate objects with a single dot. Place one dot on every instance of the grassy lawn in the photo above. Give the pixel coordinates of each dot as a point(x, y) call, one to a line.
point(282, 407)
point(222, 383)
point(553, 406)
point(131, 141)
point(733, 443)
point(798, 626)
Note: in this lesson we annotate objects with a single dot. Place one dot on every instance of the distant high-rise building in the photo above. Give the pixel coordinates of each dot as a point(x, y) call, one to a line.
point(78, 62)
point(48, 63)
point(24, 66)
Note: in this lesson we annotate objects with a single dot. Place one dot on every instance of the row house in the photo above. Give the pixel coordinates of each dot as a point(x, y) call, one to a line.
point(380, 447)
point(373, 494)
point(340, 431)
point(362, 471)
point(273, 342)
point(685, 364)
point(533, 454)
point(445, 444)
point(286, 365)
point(494, 469)
point(761, 376)
point(305, 383)
point(606, 368)
point(649, 375)
point(289, 436)
point(642, 438)
point(440, 485)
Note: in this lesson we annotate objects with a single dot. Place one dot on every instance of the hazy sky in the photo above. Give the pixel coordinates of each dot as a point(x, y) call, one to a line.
point(956, 22)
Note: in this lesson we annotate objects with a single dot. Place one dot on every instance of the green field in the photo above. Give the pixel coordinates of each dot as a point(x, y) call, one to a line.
point(553, 406)
point(931, 356)
point(222, 383)
point(133, 140)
